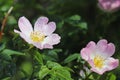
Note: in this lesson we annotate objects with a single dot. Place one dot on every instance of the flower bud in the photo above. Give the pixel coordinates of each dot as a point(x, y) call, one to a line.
point(109, 5)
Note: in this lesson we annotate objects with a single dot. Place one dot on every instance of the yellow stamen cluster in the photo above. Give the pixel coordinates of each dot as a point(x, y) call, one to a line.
point(98, 61)
point(37, 36)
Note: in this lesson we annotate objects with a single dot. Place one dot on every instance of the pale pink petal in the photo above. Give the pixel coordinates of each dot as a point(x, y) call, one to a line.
point(25, 26)
point(101, 48)
point(48, 46)
point(42, 45)
point(16, 31)
point(109, 51)
point(49, 28)
point(85, 53)
point(38, 45)
point(39, 24)
point(91, 45)
point(82, 74)
point(87, 70)
point(99, 71)
point(26, 38)
point(91, 63)
point(89, 51)
point(101, 7)
point(105, 49)
point(115, 5)
point(52, 39)
point(95, 69)
point(109, 5)
point(102, 45)
point(42, 26)
point(111, 63)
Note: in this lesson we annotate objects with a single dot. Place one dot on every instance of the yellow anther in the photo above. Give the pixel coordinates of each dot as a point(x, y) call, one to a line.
point(37, 36)
point(98, 61)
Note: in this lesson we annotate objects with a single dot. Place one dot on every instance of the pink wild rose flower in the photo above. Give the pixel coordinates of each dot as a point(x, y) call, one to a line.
point(109, 5)
point(99, 56)
point(41, 36)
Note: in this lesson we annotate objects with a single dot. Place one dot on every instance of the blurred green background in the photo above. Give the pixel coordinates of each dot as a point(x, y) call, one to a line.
point(78, 22)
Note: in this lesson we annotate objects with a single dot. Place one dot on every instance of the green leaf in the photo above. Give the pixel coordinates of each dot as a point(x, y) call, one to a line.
point(51, 55)
point(91, 77)
point(7, 53)
point(27, 68)
point(61, 72)
point(69, 69)
point(71, 58)
point(76, 21)
point(7, 78)
point(11, 52)
point(112, 77)
point(39, 57)
point(5, 8)
point(47, 57)
point(57, 71)
point(2, 46)
point(60, 24)
point(75, 17)
point(51, 64)
point(82, 25)
point(19, 75)
point(43, 72)
point(11, 20)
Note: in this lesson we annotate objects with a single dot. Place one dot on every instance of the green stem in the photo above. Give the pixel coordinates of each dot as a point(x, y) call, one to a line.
point(31, 78)
point(87, 77)
point(98, 78)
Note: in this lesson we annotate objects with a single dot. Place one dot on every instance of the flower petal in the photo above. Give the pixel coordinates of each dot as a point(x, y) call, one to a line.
point(104, 49)
point(25, 26)
point(116, 4)
point(109, 5)
point(82, 74)
point(85, 53)
point(39, 24)
point(91, 63)
point(42, 26)
point(101, 45)
point(112, 63)
point(42, 45)
point(48, 46)
point(95, 69)
point(38, 45)
point(52, 39)
point(109, 64)
point(109, 51)
point(91, 46)
point(89, 51)
point(88, 71)
point(26, 38)
point(49, 28)
point(99, 71)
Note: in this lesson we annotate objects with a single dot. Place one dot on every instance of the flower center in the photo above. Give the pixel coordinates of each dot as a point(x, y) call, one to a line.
point(37, 36)
point(98, 61)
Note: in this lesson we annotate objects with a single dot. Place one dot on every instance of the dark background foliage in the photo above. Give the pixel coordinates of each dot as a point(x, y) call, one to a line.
point(78, 22)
